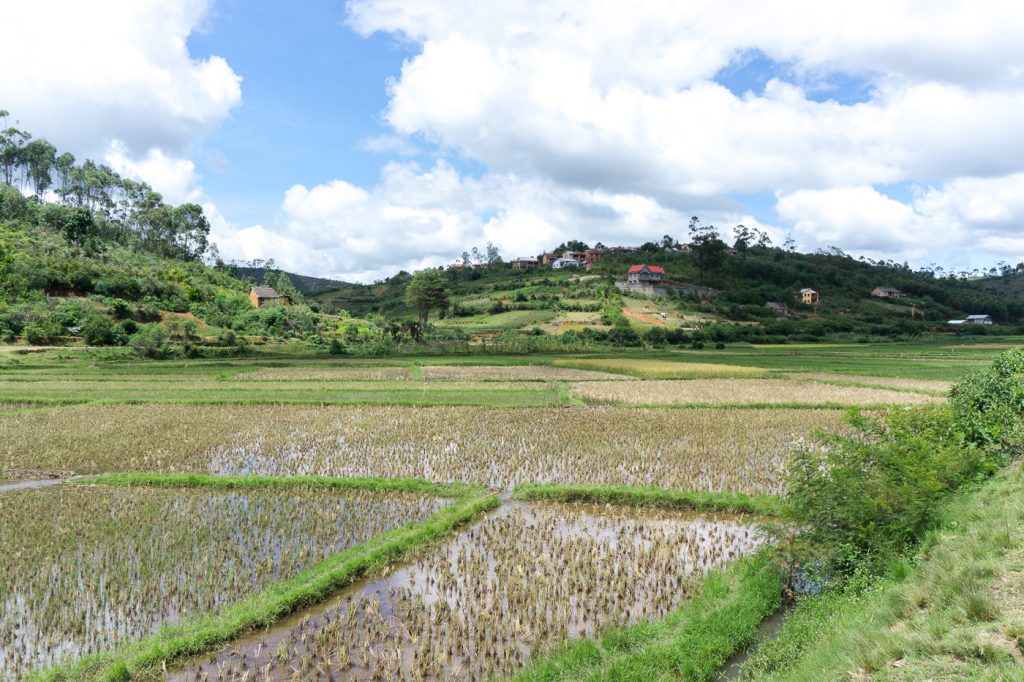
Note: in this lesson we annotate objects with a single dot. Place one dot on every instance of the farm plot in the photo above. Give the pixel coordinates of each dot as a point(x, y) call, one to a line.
point(663, 369)
point(482, 605)
point(892, 382)
point(330, 373)
point(84, 568)
point(513, 373)
point(743, 392)
point(709, 449)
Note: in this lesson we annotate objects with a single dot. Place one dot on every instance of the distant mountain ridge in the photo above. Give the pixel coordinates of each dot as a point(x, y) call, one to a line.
point(305, 284)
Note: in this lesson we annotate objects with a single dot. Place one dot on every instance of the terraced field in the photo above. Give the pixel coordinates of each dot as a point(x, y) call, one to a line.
point(408, 518)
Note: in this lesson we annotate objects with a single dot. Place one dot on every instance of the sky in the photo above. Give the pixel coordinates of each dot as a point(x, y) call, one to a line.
point(356, 139)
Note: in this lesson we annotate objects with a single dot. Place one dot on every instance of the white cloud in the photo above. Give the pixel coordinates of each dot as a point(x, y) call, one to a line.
point(586, 98)
point(959, 221)
point(93, 73)
point(415, 218)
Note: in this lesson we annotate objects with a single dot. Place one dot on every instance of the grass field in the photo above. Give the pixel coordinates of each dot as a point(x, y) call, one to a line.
point(259, 447)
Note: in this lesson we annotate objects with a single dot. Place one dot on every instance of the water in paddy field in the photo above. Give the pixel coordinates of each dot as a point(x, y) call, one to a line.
point(85, 568)
point(506, 589)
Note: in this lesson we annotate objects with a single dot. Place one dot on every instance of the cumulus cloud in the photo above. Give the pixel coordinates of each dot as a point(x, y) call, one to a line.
point(119, 71)
point(418, 217)
point(959, 220)
point(587, 97)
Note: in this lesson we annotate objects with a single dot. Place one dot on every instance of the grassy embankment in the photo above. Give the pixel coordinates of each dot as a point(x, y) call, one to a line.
point(691, 643)
point(954, 610)
point(659, 498)
point(198, 635)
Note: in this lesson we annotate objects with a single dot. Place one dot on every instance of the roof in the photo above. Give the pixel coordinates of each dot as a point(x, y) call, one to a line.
point(978, 317)
point(526, 258)
point(774, 304)
point(889, 289)
point(650, 268)
point(804, 291)
point(956, 322)
point(265, 292)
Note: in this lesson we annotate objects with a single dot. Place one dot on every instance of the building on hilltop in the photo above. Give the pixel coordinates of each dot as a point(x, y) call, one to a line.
point(645, 274)
point(886, 292)
point(777, 308)
point(808, 296)
point(522, 263)
point(260, 296)
point(560, 263)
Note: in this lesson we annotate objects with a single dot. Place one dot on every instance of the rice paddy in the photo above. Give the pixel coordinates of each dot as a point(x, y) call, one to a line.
point(701, 449)
point(482, 606)
point(744, 392)
point(663, 369)
point(85, 568)
point(402, 585)
point(710, 450)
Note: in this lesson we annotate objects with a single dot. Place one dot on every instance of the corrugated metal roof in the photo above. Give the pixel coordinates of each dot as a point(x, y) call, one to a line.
point(265, 292)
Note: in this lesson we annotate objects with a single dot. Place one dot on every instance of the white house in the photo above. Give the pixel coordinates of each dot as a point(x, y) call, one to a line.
point(560, 263)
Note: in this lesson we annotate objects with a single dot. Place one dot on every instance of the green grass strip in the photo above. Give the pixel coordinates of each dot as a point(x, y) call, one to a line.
point(173, 643)
point(174, 480)
point(692, 643)
point(765, 505)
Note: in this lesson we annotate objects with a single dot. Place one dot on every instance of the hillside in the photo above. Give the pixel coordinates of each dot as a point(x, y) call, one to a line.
point(304, 284)
point(497, 298)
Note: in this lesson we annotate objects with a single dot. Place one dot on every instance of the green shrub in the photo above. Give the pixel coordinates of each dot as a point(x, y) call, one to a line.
point(988, 404)
point(151, 342)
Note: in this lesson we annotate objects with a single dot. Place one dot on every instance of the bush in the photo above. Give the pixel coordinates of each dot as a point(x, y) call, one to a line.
point(151, 342)
point(866, 495)
point(989, 404)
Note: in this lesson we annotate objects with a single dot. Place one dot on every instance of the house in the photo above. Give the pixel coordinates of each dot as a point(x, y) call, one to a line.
point(808, 296)
point(548, 258)
point(591, 256)
point(560, 263)
point(522, 263)
point(645, 274)
point(579, 256)
point(259, 296)
point(886, 292)
point(777, 308)
point(971, 319)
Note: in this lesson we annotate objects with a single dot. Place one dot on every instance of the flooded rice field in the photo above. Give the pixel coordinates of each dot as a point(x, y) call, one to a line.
point(508, 588)
point(700, 449)
point(84, 568)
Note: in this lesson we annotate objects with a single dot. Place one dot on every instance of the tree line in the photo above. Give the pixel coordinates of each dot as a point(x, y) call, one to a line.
point(90, 200)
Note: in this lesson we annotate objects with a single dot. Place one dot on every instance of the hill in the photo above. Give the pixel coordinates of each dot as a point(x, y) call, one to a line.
point(494, 299)
point(304, 284)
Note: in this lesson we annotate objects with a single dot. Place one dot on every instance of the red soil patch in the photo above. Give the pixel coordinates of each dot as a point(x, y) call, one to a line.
point(642, 317)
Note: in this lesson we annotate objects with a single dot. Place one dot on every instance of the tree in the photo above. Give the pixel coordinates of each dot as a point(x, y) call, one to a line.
point(705, 242)
point(191, 230)
point(426, 291)
point(39, 157)
point(493, 254)
point(668, 243)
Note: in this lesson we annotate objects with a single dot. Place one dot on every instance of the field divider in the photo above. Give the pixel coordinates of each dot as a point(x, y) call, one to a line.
point(650, 496)
point(186, 480)
point(148, 656)
point(691, 643)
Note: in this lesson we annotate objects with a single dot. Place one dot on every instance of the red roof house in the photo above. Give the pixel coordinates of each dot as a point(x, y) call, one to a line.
point(645, 274)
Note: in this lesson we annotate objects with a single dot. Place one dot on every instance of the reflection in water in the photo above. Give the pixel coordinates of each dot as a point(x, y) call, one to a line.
point(508, 588)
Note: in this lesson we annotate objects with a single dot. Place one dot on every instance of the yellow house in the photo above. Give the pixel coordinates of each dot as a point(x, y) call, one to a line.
point(808, 296)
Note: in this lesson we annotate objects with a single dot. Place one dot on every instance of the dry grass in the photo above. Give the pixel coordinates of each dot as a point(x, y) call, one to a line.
point(742, 392)
point(513, 373)
point(664, 369)
point(482, 605)
point(701, 449)
point(894, 382)
point(331, 373)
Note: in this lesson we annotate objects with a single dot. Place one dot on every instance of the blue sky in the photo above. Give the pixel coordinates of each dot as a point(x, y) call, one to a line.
point(312, 93)
point(353, 139)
